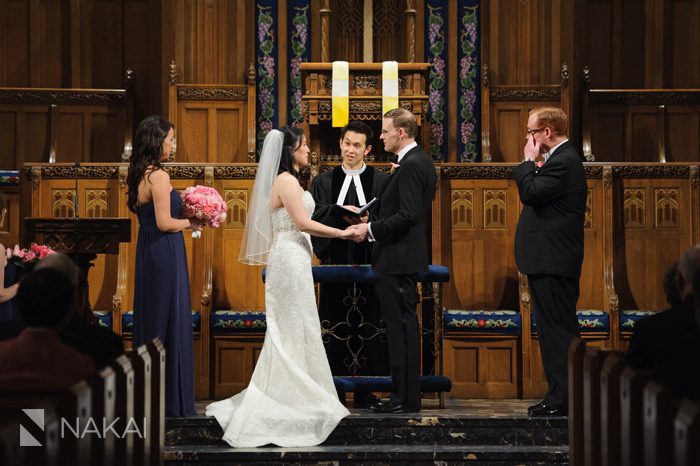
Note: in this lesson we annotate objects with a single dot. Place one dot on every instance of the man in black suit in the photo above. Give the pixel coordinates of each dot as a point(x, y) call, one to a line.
point(401, 253)
point(549, 244)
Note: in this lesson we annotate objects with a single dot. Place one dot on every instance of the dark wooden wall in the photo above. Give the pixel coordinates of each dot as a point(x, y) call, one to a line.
point(652, 44)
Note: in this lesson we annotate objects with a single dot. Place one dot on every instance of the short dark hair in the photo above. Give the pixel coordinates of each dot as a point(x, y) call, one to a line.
point(45, 298)
point(358, 127)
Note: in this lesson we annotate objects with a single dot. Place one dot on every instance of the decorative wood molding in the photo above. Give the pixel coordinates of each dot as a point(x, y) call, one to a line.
point(468, 172)
point(646, 97)
point(651, 171)
point(369, 109)
point(212, 93)
point(694, 175)
point(184, 171)
point(524, 93)
point(237, 172)
point(68, 171)
point(62, 96)
point(593, 172)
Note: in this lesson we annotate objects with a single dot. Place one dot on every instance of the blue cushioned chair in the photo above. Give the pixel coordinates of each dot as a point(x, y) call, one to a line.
point(9, 178)
point(628, 319)
point(128, 321)
point(228, 321)
point(589, 321)
point(104, 318)
point(501, 321)
point(366, 384)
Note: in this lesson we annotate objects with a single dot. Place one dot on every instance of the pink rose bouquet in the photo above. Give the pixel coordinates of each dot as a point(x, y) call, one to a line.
point(205, 205)
point(26, 258)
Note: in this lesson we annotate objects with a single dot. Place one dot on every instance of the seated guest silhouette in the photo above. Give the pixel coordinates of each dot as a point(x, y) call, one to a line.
point(37, 355)
point(101, 344)
point(662, 327)
point(671, 342)
point(79, 331)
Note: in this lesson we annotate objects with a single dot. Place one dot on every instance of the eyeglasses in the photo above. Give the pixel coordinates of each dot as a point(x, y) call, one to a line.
point(530, 132)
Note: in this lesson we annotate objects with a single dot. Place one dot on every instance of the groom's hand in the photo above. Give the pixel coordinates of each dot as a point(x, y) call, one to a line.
point(360, 232)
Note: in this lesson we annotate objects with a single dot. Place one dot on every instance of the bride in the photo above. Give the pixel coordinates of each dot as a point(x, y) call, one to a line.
point(291, 400)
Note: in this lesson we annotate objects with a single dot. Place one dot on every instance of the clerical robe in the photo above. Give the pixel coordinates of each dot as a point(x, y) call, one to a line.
point(356, 344)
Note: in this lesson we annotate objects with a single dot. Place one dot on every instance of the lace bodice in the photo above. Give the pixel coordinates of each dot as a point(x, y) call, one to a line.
point(281, 220)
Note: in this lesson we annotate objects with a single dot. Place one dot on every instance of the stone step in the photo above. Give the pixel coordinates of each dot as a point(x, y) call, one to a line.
point(401, 429)
point(369, 454)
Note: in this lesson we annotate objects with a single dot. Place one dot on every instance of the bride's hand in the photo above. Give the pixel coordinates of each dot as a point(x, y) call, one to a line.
point(196, 225)
point(347, 233)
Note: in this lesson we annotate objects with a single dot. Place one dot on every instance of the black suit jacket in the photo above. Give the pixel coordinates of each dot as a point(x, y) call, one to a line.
point(400, 228)
point(549, 236)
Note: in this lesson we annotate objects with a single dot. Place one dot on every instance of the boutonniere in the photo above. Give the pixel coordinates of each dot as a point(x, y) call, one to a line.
point(394, 167)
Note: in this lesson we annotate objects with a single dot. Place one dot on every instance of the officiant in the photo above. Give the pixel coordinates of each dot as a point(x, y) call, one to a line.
point(352, 185)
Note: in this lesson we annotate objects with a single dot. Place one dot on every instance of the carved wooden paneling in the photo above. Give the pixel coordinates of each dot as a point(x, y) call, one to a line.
point(97, 203)
point(652, 231)
point(483, 277)
point(237, 202)
point(634, 208)
point(462, 209)
point(482, 367)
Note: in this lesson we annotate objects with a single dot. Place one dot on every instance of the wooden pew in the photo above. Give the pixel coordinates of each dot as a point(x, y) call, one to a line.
point(103, 385)
point(141, 363)
point(610, 409)
point(72, 405)
point(659, 413)
point(687, 434)
point(124, 409)
point(632, 415)
point(577, 349)
point(156, 418)
point(11, 453)
point(593, 362)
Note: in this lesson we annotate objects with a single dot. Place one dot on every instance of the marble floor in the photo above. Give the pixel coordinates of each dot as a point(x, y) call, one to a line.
point(453, 407)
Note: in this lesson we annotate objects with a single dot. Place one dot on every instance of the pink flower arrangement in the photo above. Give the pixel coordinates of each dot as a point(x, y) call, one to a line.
point(204, 204)
point(28, 257)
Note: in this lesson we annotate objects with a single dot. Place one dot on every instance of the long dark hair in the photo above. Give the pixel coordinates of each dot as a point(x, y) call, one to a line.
point(147, 151)
point(293, 136)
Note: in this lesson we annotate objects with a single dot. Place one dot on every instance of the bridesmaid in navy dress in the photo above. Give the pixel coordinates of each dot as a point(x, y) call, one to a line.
point(7, 274)
point(162, 306)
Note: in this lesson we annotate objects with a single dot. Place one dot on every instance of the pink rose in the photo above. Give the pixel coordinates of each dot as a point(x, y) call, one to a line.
point(539, 163)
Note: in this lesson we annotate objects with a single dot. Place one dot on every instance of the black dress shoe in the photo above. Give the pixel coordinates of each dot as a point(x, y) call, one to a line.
point(365, 400)
point(393, 407)
point(546, 411)
point(534, 407)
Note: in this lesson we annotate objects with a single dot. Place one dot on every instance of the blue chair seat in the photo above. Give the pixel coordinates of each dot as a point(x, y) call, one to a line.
point(628, 319)
point(128, 321)
point(500, 321)
point(9, 178)
point(227, 321)
point(104, 318)
point(365, 274)
point(589, 321)
point(366, 384)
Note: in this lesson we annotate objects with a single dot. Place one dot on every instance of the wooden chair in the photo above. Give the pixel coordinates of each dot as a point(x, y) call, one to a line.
point(577, 349)
point(124, 409)
point(141, 362)
point(687, 434)
point(103, 386)
point(632, 415)
point(610, 409)
point(156, 418)
point(659, 413)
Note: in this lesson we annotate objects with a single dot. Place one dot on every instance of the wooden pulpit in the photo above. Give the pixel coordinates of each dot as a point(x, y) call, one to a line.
point(80, 238)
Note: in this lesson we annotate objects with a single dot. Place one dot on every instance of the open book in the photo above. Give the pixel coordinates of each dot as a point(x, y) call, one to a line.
point(338, 211)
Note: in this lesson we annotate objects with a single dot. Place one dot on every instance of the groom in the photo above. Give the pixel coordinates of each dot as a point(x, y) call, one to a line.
point(401, 253)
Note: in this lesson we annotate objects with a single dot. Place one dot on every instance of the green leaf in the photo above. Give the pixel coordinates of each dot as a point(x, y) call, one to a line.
point(266, 47)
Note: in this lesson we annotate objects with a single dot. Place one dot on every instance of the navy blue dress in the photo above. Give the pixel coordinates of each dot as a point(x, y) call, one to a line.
point(162, 306)
point(7, 312)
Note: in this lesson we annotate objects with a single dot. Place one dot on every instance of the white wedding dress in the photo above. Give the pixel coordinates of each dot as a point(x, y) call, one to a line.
point(291, 400)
